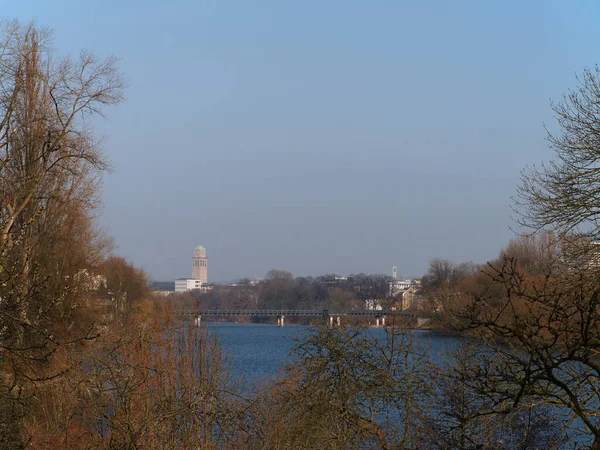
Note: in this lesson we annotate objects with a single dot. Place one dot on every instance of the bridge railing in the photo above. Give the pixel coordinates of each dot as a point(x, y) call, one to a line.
point(299, 312)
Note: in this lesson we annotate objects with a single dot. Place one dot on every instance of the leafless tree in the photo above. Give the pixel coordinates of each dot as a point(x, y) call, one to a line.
point(145, 388)
point(49, 166)
point(534, 253)
point(347, 389)
point(461, 417)
point(443, 273)
point(542, 340)
point(563, 194)
point(122, 285)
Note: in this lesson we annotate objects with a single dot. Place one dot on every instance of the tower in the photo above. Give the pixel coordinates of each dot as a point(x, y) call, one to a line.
point(394, 273)
point(200, 264)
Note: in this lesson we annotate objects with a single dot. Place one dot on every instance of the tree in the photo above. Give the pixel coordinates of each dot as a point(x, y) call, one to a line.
point(443, 273)
point(347, 389)
point(129, 396)
point(459, 416)
point(49, 163)
point(340, 298)
point(304, 293)
point(564, 194)
point(542, 342)
point(534, 253)
point(370, 286)
point(276, 290)
point(124, 285)
point(439, 286)
point(543, 333)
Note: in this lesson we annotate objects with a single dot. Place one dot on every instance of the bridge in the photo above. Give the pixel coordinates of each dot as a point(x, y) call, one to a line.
point(327, 315)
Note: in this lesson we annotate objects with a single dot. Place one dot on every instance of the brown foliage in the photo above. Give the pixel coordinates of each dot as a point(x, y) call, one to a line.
point(152, 387)
point(49, 163)
point(122, 286)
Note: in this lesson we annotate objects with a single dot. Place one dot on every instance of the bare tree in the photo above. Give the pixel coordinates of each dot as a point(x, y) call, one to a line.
point(444, 273)
point(347, 389)
point(148, 387)
point(49, 162)
point(564, 193)
point(123, 285)
point(276, 290)
point(461, 417)
point(439, 287)
point(534, 253)
point(542, 340)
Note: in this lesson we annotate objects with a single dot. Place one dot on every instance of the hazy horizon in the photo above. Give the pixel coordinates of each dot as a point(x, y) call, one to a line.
point(322, 137)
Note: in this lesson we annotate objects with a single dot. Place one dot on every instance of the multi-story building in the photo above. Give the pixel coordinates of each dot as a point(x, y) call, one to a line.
point(402, 290)
point(199, 278)
point(187, 284)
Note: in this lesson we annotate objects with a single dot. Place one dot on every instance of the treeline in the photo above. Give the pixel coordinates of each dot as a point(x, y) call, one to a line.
point(447, 288)
point(280, 290)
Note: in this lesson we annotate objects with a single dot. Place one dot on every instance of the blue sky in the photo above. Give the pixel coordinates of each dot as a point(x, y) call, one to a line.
point(322, 136)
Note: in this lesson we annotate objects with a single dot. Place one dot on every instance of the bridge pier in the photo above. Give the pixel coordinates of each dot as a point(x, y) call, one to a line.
point(329, 317)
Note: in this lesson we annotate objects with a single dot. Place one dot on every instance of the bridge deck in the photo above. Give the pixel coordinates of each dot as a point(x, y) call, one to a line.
point(298, 313)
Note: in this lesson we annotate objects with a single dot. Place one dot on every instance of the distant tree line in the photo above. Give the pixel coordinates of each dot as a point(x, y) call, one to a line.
point(280, 290)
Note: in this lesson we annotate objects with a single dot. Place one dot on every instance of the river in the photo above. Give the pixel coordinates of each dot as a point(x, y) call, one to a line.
point(260, 351)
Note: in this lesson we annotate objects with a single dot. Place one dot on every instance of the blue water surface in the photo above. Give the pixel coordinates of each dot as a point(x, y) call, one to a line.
point(260, 351)
point(257, 351)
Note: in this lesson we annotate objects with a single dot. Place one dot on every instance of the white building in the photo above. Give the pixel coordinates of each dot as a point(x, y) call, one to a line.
point(403, 290)
point(399, 286)
point(187, 284)
point(199, 278)
point(373, 304)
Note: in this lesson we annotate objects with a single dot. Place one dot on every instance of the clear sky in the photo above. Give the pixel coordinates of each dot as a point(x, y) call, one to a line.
point(322, 136)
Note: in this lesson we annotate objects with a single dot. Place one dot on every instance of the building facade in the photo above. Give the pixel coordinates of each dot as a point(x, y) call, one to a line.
point(187, 284)
point(404, 291)
point(200, 265)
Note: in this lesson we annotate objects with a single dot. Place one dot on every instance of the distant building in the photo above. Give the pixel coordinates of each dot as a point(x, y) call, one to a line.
point(373, 304)
point(199, 278)
point(399, 286)
point(187, 284)
point(403, 290)
point(200, 265)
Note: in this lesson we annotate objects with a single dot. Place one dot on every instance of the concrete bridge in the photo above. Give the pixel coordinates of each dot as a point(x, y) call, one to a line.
point(331, 317)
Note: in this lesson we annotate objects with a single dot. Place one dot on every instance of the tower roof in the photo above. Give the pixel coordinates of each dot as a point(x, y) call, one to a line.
point(199, 247)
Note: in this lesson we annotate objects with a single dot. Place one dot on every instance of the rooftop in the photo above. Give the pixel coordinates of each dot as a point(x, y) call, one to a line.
point(199, 247)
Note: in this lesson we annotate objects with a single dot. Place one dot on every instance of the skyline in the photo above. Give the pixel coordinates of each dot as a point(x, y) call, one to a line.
point(336, 138)
point(194, 274)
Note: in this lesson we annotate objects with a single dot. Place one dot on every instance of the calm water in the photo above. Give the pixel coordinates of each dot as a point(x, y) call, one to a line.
point(260, 350)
